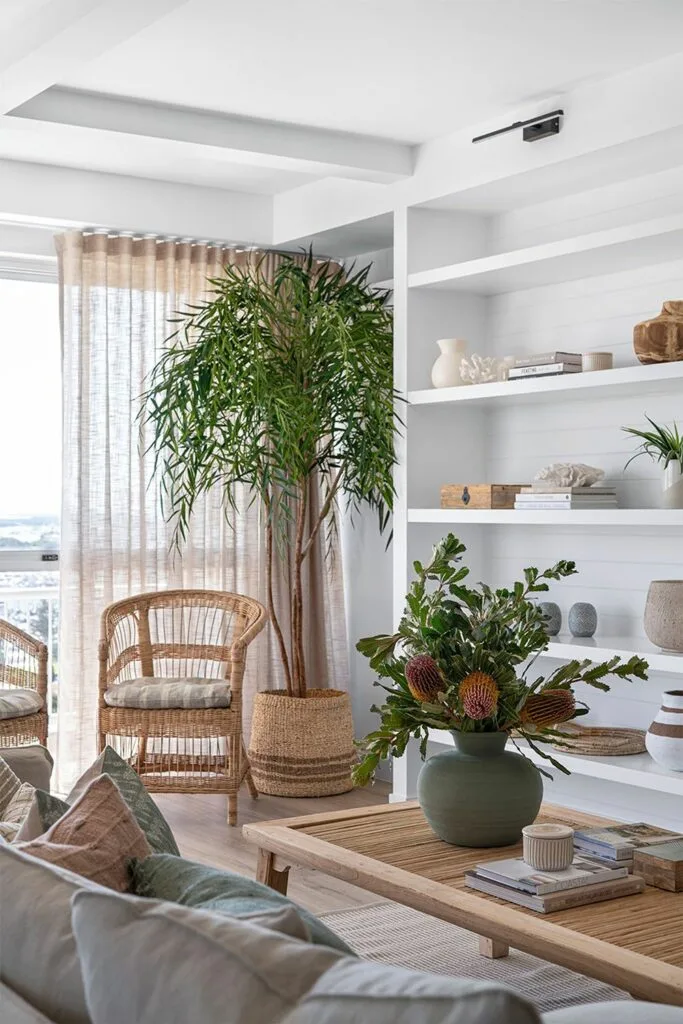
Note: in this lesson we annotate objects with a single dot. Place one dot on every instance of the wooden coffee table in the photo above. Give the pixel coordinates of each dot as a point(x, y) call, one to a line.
point(634, 943)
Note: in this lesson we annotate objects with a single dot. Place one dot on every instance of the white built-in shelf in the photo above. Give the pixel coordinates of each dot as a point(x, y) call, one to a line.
point(629, 769)
point(626, 380)
point(601, 648)
point(600, 252)
point(541, 517)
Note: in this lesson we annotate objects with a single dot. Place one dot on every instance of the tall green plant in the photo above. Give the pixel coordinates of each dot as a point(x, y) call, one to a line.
point(282, 383)
point(662, 444)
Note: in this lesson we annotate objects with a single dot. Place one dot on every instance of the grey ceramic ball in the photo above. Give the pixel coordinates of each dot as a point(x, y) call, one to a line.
point(553, 617)
point(583, 619)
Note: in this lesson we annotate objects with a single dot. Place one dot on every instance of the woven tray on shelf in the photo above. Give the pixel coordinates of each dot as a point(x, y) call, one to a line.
point(601, 742)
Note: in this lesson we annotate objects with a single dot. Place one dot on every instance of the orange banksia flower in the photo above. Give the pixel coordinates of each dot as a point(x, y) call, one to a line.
point(424, 678)
point(550, 707)
point(479, 695)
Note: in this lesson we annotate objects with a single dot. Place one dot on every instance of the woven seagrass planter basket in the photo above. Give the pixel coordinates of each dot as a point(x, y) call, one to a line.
point(302, 746)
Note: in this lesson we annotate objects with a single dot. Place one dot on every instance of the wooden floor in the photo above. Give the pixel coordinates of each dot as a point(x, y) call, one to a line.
point(202, 833)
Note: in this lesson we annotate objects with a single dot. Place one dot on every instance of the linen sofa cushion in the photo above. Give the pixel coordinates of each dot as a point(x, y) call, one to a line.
point(158, 693)
point(9, 784)
point(15, 812)
point(32, 763)
point(616, 1013)
point(354, 991)
point(96, 837)
point(16, 702)
point(196, 885)
point(38, 956)
point(16, 1010)
point(143, 960)
point(47, 809)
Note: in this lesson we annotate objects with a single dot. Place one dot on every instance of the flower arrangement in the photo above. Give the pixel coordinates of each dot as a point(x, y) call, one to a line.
point(462, 659)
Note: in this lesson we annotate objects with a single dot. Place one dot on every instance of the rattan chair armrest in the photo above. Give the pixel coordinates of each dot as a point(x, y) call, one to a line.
point(35, 648)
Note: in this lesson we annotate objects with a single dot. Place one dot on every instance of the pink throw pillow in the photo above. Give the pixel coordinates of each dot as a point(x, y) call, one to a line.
point(95, 838)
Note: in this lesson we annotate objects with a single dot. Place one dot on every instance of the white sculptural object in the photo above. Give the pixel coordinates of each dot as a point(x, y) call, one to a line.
point(570, 474)
point(477, 369)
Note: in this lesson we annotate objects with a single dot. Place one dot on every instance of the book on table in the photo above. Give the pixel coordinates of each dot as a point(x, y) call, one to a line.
point(618, 842)
point(562, 497)
point(516, 872)
point(629, 885)
point(544, 487)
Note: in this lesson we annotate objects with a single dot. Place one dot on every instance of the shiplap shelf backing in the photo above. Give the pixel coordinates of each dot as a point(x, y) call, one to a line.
point(605, 647)
point(633, 769)
point(626, 381)
point(539, 517)
point(600, 252)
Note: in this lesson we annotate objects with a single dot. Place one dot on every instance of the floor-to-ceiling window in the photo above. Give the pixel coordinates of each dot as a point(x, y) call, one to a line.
point(30, 461)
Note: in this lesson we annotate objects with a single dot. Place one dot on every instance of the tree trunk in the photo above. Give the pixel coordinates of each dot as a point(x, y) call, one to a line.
point(298, 657)
point(284, 657)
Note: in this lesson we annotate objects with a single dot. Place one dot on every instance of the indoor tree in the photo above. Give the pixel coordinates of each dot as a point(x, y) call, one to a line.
point(282, 382)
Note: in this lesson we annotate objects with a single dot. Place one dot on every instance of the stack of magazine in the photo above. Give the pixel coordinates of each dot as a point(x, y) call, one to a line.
point(546, 364)
point(541, 495)
point(587, 881)
point(616, 844)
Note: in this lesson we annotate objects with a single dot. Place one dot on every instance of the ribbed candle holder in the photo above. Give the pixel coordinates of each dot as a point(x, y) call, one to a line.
point(548, 847)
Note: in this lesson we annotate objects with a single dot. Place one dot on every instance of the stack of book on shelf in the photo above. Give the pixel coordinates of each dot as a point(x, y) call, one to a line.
point(550, 497)
point(587, 881)
point(546, 364)
point(617, 844)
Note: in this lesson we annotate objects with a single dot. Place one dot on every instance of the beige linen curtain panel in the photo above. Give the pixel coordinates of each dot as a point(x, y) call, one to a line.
point(117, 295)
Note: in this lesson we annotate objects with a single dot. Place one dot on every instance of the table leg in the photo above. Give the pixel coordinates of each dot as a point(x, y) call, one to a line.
point(491, 948)
point(267, 873)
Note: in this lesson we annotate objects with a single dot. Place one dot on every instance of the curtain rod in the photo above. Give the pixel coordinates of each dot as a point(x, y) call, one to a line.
point(208, 241)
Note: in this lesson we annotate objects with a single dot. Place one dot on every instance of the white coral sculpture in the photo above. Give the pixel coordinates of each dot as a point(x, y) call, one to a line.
point(479, 369)
point(570, 474)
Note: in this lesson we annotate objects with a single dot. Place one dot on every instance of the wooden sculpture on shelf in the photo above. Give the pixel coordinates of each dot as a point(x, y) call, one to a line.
point(660, 340)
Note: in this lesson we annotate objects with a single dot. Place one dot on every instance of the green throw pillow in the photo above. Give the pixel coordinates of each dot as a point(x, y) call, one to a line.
point(48, 809)
point(195, 885)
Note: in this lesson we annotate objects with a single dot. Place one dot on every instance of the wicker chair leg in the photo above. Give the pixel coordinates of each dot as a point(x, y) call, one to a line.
point(232, 809)
point(253, 791)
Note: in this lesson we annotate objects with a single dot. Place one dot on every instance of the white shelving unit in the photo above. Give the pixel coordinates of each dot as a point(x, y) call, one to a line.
point(632, 769)
point(600, 252)
point(469, 272)
point(626, 381)
point(541, 517)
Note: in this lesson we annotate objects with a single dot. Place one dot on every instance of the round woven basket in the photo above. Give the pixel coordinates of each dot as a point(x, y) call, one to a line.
point(302, 746)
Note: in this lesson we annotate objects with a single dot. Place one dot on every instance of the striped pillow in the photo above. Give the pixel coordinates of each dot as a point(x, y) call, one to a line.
point(9, 784)
point(15, 811)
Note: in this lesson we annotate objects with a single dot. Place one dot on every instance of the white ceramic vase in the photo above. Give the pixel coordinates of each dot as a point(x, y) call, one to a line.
point(672, 486)
point(664, 739)
point(446, 369)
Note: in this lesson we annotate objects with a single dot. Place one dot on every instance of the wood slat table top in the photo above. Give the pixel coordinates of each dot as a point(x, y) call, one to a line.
point(634, 943)
point(650, 923)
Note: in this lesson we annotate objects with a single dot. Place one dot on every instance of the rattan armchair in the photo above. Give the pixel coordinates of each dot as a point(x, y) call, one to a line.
point(170, 688)
point(23, 687)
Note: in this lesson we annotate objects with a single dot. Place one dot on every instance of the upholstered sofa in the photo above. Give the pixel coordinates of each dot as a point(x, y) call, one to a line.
point(74, 952)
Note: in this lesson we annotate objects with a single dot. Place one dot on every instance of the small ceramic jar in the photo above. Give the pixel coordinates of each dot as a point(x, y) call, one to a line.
point(583, 619)
point(597, 361)
point(548, 847)
point(552, 616)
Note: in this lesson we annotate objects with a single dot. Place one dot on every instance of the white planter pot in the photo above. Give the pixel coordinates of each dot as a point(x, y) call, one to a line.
point(663, 619)
point(672, 486)
point(664, 739)
point(446, 369)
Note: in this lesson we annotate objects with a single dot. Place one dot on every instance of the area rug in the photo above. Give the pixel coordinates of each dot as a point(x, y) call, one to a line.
point(406, 938)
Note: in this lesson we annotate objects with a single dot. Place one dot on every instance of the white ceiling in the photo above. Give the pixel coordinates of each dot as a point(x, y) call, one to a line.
point(407, 70)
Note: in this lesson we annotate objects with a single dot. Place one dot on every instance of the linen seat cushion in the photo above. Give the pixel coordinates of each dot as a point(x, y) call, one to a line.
point(196, 885)
point(17, 703)
point(157, 693)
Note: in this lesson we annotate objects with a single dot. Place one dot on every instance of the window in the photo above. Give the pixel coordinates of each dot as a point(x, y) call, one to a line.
point(30, 463)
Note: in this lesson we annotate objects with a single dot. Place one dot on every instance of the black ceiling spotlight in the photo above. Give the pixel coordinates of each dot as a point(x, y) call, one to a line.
point(535, 128)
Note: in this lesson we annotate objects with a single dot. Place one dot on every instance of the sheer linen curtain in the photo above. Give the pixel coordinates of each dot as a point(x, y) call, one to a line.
point(117, 295)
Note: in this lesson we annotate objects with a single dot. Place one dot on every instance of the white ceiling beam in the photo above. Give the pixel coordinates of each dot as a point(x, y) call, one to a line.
point(48, 44)
point(239, 139)
point(61, 197)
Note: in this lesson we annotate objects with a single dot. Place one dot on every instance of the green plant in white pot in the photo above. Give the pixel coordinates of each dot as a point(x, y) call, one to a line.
point(663, 445)
point(282, 383)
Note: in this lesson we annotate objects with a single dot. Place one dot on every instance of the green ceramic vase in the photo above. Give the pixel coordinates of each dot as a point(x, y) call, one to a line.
point(479, 793)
